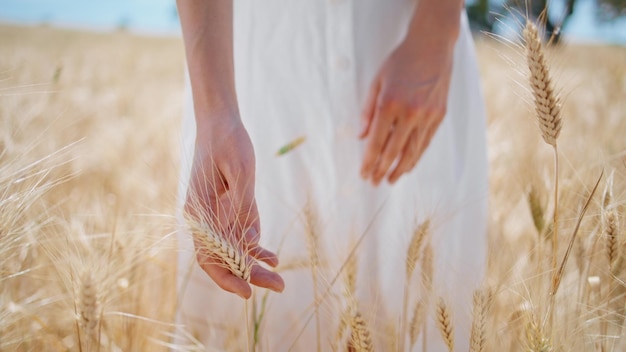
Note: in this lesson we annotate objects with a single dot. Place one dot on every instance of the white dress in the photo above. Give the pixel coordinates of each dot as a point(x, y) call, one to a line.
point(303, 68)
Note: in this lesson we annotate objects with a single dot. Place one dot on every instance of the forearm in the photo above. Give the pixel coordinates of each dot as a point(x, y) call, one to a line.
point(436, 22)
point(208, 36)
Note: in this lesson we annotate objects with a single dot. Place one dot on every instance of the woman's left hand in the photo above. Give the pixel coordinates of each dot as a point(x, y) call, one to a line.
point(405, 106)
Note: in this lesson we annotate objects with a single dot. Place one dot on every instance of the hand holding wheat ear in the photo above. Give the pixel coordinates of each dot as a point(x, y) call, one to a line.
point(222, 212)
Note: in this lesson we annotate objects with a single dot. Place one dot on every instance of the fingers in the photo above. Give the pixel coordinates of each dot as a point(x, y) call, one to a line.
point(370, 108)
point(261, 277)
point(264, 255)
point(412, 152)
point(223, 277)
point(378, 136)
point(392, 150)
point(406, 159)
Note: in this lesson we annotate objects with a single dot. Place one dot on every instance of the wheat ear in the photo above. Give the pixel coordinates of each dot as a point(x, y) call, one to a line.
point(478, 338)
point(615, 260)
point(610, 220)
point(220, 249)
point(536, 338)
point(361, 338)
point(444, 322)
point(88, 306)
point(415, 247)
point(547, 103)
point(417, 321)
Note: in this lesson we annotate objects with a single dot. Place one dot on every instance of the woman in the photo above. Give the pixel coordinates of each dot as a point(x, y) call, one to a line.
point(387, 95)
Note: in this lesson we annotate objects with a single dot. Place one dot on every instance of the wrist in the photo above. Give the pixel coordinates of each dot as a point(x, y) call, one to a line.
point(436, 24)
point(216, 121)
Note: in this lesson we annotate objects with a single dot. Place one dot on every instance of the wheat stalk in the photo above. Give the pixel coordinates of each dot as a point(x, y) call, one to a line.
point(412, 257)
point(548, 109)
point(444, 323)
point(350, 275)
point(312, 241)
point(427, 284)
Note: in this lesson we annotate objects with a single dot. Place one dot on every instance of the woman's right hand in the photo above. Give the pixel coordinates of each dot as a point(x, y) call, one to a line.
point(221, 191)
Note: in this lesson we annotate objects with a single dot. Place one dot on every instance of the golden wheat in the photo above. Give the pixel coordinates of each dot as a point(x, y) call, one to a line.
point(444, 323)
point(88, 306)
point(547, 104)
point(220, 249)
point(478, 337)
point(360, 337)
point(417, 321)
point(89, 94)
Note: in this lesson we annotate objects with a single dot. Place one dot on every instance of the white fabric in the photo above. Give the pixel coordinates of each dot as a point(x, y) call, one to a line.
point(303, 68)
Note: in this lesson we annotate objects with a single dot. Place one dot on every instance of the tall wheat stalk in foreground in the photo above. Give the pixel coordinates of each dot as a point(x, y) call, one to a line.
point(548, 110)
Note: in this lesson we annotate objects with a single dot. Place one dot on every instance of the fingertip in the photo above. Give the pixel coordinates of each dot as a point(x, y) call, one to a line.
point(267, 279)
point(364, 129)
point(266, 256)
point(227, 281)
point(269, 258)
point(240, 288)
point(246, 293)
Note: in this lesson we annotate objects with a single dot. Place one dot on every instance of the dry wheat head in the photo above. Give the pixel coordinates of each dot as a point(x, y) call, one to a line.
point(547, 104)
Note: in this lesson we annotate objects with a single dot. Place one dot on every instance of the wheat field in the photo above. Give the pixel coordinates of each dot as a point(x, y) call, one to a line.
point(89, 148)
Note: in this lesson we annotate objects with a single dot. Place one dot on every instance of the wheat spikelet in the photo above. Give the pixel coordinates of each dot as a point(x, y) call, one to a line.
point(536, 210)
point(360, 338)
point(536, 339)
point(428, 268)
point(478, 338)
point(221, 249)
point(344, 318)
point(88, 306)
point(417, 321)
point(547, 104)
point(444, 323)
point(351, 275)
point(610, 221)
point(414, 247)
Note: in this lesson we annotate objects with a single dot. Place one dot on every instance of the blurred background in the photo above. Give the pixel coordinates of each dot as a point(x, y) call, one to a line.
point(582, 20)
